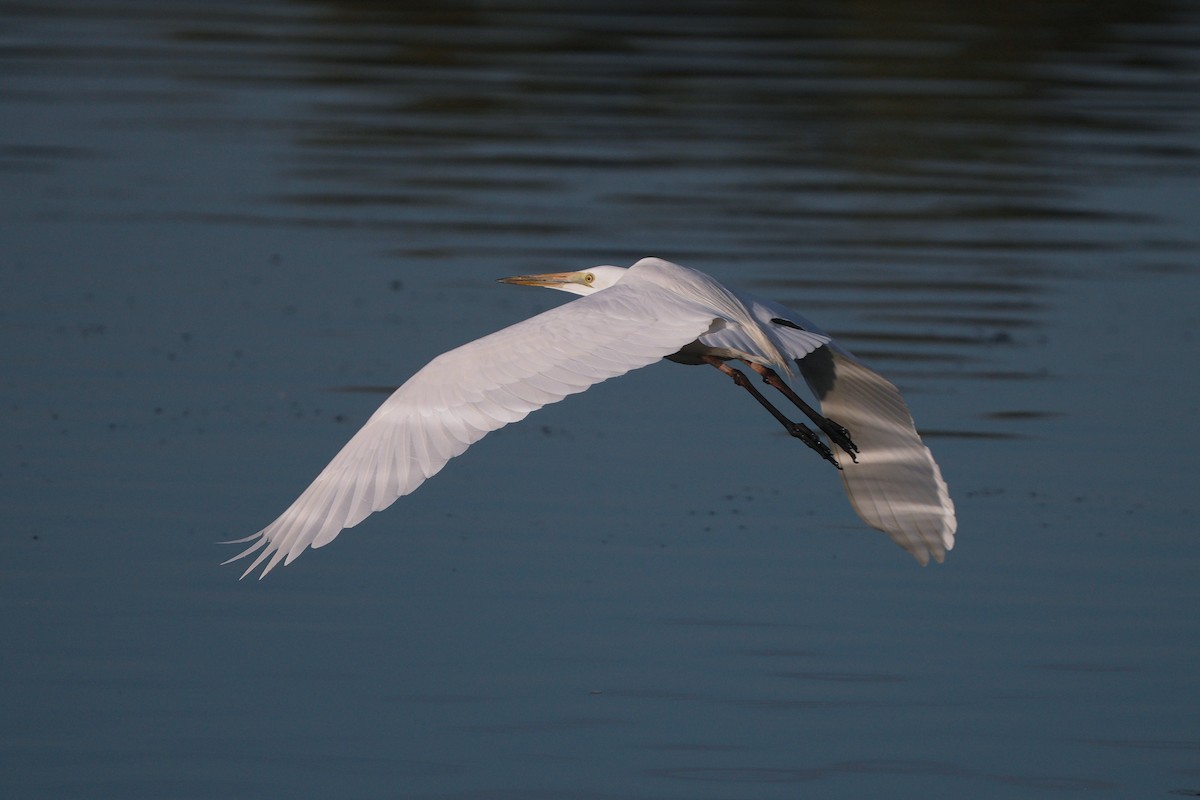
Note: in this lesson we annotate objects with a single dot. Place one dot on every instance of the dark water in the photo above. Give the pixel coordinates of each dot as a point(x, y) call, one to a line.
point(221, 221)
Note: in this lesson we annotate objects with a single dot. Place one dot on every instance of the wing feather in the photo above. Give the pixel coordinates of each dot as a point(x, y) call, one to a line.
point(465, 393)
point(895, 486)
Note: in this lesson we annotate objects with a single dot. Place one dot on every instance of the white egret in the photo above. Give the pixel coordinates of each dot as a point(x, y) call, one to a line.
point(628, 318)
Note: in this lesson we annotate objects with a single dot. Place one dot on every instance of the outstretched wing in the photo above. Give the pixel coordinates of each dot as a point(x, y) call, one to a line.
point(895, 485)
point(465, 393)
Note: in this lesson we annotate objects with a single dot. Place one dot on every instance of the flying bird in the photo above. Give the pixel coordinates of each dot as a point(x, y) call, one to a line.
point(629, 318)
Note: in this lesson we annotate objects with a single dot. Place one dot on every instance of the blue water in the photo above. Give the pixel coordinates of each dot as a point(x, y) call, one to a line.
point(227, 228)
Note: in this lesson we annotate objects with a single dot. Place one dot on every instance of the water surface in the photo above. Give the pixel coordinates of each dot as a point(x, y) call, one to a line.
point(224, 224)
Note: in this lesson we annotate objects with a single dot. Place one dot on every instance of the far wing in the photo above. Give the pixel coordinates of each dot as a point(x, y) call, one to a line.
point(465, 393)
point(895, 485)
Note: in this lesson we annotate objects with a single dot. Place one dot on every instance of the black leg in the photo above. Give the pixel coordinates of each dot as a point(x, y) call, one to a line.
point(796, 429)
point(836, 433)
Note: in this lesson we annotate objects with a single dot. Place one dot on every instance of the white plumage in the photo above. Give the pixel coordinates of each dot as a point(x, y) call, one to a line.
point(627, 318)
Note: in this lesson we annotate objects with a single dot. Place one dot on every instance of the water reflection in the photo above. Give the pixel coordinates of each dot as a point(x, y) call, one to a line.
point(924, 154)
point(925, 101)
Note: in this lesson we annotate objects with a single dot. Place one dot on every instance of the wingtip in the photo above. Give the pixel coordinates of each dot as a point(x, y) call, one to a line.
point(258, 541)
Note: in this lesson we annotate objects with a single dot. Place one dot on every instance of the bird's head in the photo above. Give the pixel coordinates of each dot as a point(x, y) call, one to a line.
point(585, 281)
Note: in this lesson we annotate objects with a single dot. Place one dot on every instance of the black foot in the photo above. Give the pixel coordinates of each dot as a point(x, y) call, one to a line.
point(839, 436)
point(806, 435)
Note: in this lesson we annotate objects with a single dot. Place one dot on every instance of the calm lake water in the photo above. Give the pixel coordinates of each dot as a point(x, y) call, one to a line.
point(227, 227)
